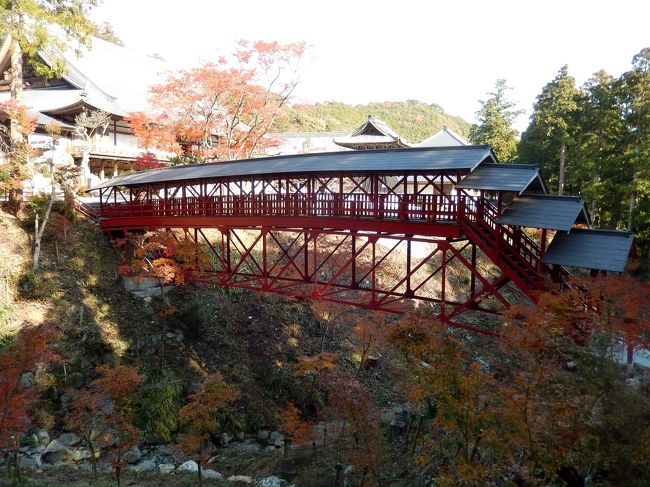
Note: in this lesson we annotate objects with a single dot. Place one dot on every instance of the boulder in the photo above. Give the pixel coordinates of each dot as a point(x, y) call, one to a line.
point(132, 455)
point(166, 468)
point(276, 439)
point(27, 379)
point(144, 466)
point(244, 479)
point(80, 454)
point(69, 439)
point(224, 439)
point(271, 482)
point(42, 436)
point(247, 447)
point(387, 418)
point(107, 406)
point(164, 450)
point(211, 474)
point(57, 452)
point(189, 467)
point(240, 436)
point(262, 436)
point(29, 462)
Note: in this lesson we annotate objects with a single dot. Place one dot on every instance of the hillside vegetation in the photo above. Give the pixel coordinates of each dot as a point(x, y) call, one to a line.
point(319, 394)
point(412, 119)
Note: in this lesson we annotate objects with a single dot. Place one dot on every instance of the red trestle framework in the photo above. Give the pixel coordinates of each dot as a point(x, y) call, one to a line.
point(382, 243)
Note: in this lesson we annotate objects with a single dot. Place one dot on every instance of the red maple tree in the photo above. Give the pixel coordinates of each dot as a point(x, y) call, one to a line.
point(32, 346)
point(104, 406)
point(221, 110)
point(198, 415)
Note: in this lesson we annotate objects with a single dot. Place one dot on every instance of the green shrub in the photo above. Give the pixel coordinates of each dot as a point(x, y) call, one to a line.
point(158, 406)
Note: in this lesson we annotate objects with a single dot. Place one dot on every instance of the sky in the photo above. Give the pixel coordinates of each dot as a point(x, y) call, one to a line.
point(445, 52)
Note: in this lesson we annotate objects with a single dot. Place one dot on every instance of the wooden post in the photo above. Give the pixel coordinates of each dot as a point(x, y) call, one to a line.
point(542, 248)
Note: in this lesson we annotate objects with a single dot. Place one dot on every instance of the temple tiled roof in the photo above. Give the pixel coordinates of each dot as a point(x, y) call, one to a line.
point(373, 133)
point(444, 138)
point(107, 77)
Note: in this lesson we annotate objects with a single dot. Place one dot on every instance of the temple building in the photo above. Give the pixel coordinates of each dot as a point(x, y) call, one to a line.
point(106, 77)
point(444, 138)
point(373, 134)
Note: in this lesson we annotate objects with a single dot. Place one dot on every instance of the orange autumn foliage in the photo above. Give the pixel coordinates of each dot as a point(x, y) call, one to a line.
point(322, 361)
point(293, 425)
point(198, 415)
point(32, 346)
point(115, 386)
point(221, 110)
point(163, 256)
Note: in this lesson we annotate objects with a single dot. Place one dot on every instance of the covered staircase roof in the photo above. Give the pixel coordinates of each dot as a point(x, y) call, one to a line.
point(605, 250)
point(515, 178)
point(546, 211)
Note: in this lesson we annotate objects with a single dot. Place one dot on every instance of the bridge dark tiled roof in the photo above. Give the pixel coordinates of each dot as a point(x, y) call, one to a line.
point(377, 161)
point(545, 211)
point(605, 250)
point(503, 177)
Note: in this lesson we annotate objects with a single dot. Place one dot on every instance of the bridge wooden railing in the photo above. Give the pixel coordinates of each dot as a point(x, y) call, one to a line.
point(508, 244)
point(477, 216)
point(417, 208)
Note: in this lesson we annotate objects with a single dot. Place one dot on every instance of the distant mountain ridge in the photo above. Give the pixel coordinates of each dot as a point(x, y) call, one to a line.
point(413, 120)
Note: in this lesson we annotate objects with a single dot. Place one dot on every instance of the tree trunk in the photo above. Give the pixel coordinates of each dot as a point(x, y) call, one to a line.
point(39, 234)
point(16, 139)
point(84, 173)
point(630, 220)
point(16, 76)
point(93, 460)
point(163, 328)
point(198, 463)
point(560, 189)
point(16, 462)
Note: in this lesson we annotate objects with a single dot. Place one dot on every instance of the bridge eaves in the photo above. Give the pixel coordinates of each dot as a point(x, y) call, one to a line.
point(393, 161)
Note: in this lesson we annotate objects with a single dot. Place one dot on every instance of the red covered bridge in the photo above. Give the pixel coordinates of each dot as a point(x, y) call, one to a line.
point(370, 228)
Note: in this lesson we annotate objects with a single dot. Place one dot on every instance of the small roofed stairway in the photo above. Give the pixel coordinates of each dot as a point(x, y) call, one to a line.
point(510, 248)
point(498, 229)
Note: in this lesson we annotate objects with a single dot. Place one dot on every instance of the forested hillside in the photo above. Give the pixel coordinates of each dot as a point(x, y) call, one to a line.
point(412, 119)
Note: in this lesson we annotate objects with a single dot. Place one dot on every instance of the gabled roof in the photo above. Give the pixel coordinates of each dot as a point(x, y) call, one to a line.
point(107, 77)
point(444, 138)
point(373, 132)
point(515, 178)
point(605, 250)
point(545, 211)
point(390, 161)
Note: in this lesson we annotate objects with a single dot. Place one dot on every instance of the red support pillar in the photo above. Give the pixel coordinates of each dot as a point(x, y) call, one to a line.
point(472, 279)
point(265, 271)
point(353, 264)
point(443, 290)
point(542, 249)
